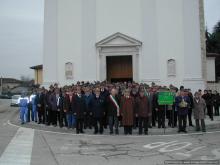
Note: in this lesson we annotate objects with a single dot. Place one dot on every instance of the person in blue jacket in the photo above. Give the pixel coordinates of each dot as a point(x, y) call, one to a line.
point(87, 117)
point(23, 105)
point(97, 110)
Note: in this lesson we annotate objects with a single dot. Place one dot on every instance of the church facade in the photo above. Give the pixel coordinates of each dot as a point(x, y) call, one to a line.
point(147, 41)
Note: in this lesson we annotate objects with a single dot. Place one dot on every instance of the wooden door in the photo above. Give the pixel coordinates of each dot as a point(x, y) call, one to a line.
point(119, 68)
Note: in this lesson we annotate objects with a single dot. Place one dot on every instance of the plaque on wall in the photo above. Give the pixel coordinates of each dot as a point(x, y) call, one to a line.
point(69, 70)
point(171, 67)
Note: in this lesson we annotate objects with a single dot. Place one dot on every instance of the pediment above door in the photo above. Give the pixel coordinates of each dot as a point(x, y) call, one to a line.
point(118, 40)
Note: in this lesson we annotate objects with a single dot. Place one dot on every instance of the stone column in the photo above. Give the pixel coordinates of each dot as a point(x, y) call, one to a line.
point(202, 36)
point(50, 43)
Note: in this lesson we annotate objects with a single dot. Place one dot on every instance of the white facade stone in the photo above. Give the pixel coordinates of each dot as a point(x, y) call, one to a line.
point(210, 65)
point(151, 31)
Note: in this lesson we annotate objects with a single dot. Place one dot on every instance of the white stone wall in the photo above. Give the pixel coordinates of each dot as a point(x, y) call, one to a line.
point(50, 43)
point(168, 29)
point(210, 65)
point(170, 39)
point(193, 76)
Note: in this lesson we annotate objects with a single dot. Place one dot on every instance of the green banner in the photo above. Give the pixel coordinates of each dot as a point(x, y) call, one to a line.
point(166, 98)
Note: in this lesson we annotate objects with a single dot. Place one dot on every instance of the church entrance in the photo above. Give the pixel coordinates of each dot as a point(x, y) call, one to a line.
point(119, 68)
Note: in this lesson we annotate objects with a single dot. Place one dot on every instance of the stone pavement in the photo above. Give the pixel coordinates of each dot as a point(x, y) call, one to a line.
point(56, 146)
point(210, 125)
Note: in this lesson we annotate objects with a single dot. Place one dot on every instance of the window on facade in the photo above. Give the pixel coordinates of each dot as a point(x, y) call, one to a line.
point(171, 67)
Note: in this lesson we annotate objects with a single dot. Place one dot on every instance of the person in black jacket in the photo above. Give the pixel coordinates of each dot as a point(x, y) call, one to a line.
point(40, 106)
point(216, 101)
point(208, 97)
point(79, 110)
point(54, 106)
point(160, 109)
point(97, 110)
point(154, 106)
point(60, 107)
point(48, 115)
point(113, 111)
point(190, 108)
point(87, 117)
point(104, 94)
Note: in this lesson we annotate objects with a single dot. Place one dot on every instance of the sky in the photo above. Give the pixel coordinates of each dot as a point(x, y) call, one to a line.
point(21, 34)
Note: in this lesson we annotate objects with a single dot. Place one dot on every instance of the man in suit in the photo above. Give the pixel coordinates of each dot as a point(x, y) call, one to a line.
point(143, 112)
point(160, 109)
point(182, 104)
point(40, 106)
point(48, 113)
point(104, 94)
point(60, 107)
point(54, 102)
point(79, 110)
point(87, 117)
point(97, 109)
point(113, 111)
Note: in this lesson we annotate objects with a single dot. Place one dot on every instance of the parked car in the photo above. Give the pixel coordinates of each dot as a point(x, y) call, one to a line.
point(15, 100)
point(5, 97)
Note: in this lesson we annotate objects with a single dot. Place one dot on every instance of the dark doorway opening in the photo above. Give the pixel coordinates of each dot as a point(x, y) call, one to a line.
point(119, 68)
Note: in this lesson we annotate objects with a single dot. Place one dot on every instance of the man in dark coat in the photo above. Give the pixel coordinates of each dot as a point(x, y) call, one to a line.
point(135, 94)
point(104, 94)
point(79, 110)
point(182, 104)
point(190, 108)
point(174, 115)
point(208, 97)
point(216, 102)
point(97, 109)
point(113, 111)
point(154, 106)
point(48, 115)
point(142, 112)
point(40, 106)
point(160, 109)
point(87, 117)
point(60, 107)
point(54, 106)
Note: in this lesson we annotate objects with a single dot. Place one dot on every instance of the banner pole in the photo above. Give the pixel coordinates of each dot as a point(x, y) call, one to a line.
point(165, 120)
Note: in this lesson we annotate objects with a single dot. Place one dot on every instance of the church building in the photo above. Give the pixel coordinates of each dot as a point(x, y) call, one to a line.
point(160, 41)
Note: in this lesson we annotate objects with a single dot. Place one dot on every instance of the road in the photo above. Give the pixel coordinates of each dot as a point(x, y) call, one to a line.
point(24, 146)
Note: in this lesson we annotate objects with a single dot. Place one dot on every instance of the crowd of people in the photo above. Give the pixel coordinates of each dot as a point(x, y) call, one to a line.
point(108, 106)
